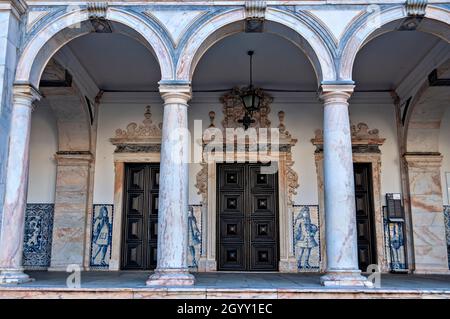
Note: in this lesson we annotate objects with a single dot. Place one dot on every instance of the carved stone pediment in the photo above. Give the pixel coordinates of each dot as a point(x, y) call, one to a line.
point(274, 142)
point(363, 139)
point(145, 137)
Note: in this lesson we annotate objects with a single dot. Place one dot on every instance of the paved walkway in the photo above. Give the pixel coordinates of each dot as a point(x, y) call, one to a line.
point(224, 285)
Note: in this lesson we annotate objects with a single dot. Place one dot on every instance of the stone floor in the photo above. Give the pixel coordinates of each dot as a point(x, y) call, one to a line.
point(224, 285)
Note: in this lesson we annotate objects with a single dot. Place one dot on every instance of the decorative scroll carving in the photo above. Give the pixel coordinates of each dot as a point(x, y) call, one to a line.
point(147, 129)
point(202, 183)
point(97, 10)
point(282, 127)
point(364, 140)
point(145, 137)
point(97, 16)
point(255, 9)
point(416, 8)
point(292, 180)
point(282, 151)
point(233, 109)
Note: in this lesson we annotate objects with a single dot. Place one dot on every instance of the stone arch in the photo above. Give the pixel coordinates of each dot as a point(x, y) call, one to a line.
point(47, 41)
point(285, 24)
point(425, 114)
point(435, 22)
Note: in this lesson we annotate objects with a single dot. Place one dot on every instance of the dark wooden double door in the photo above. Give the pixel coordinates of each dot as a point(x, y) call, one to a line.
point(140, 217)
point(364, 215)
point(247, 211)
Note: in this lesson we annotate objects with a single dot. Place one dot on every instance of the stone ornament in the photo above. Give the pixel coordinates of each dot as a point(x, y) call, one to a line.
point(147, 129)
point(282, 127)
point(292, 179)
point(233, 109)
point(416, 8)
point(97, 10)
point(143, 138)
point(255, 9)
point(202, 183)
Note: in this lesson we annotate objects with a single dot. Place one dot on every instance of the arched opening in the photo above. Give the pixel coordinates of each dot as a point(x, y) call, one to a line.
point(402, 69)
point(277, 22)
point(91, 84)
point(230, 212)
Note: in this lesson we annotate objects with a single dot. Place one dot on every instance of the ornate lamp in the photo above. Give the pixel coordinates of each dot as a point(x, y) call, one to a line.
point(251, 98)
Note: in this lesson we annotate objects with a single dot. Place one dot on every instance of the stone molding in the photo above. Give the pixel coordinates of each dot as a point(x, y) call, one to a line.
point(423, 160)
point(97, 10)
point(25, 93)
point(19, 7)
point(175, 93)
point(73, 158)
point(332, 93)
point(255, 10)
point(142, 138)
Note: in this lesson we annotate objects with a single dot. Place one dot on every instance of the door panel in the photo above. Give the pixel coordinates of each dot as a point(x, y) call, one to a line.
point(364, 215)
point(247, 218)
point(140, 225)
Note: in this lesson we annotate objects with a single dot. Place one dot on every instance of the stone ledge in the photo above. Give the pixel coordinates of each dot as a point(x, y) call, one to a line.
point(210, 293)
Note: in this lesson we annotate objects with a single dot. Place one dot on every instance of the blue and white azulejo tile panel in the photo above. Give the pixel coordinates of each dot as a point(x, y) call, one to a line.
point(195, 236)
point(306, 231)
point(101, 236)
point(37, 246)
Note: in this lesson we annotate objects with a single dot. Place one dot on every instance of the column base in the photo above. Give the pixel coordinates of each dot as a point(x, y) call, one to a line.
point(288, 265)
point(345, 279)
point(171, 277)
point(14, 276)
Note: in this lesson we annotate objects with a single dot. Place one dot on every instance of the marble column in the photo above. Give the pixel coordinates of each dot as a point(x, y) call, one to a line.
point(339, 190)
point(71, 207)
point(172, 268)
point(12, 229)
point(427, 217)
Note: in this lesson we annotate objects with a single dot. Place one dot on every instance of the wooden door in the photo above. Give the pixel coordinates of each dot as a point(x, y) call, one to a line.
point(247, 209)
point(365, 215)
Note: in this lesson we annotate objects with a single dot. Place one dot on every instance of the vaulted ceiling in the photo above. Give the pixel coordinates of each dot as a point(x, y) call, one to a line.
point(117, 62)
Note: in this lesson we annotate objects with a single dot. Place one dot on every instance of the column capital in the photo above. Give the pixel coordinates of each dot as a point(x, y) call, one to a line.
point(71, 158)
point(25, 94)
point(17, 7)
point(178, 93)
point(426, 160)
point(336, 92)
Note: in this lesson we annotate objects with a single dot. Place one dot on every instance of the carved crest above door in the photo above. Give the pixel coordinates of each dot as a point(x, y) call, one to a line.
point(233, 109)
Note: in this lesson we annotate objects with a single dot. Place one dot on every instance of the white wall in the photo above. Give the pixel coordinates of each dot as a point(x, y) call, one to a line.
point(444, 148)
point(302, 119)
point(43, 146)
point(113, 115)
point(382, 117)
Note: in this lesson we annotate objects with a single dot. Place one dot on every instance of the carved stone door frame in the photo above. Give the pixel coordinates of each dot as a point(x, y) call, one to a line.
point(136, 144)
point(287, 183)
